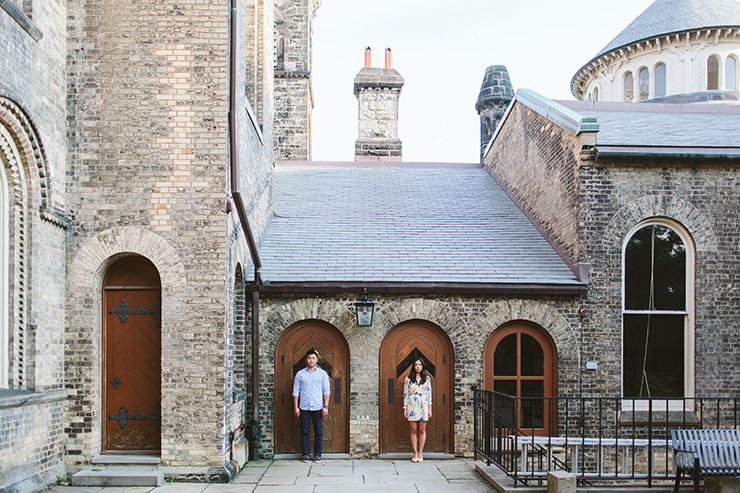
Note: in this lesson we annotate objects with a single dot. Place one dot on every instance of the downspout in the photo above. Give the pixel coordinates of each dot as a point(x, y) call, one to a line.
point(255, 433)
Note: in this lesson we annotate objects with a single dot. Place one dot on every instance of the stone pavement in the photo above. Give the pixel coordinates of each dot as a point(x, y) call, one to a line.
point(349, 475)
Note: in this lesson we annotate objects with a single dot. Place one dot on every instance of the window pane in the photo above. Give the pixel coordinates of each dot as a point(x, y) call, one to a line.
point(644, 78)
point(629, 87)
point(655, 270)
point(663, 362)
point(730, 74)
point(712, 73)
point(660, 80)
point(504, 358)
point(533, 360)
point(532, 409)
point(505, 386)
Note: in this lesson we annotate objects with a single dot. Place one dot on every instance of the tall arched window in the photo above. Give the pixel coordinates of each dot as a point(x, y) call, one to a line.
point(644, 84)
point(596, 94)
point(657, 358)
point(731, 74)
point(660, 80)
point(712, 73)
point(629, 87)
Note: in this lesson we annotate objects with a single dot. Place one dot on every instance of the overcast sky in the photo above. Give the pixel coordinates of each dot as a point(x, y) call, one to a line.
point(442, 49)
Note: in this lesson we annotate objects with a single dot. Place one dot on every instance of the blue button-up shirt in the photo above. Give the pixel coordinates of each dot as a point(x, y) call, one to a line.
point(311, 387)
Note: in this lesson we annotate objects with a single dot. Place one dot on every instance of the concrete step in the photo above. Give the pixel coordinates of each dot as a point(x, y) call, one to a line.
point(118, 478)
point(126, 459)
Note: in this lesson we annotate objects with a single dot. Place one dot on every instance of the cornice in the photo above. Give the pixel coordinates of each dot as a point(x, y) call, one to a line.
point(671, 41)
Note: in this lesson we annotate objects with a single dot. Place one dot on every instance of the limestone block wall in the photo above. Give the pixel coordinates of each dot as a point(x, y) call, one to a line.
point(293, 66)
point(538, 162)
point(467, 321)
point(703, 198)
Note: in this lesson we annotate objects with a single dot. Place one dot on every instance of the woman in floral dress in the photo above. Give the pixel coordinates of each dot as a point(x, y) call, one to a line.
point(417, 406)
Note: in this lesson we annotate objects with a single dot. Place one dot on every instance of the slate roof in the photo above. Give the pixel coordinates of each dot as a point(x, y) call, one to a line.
point(697, 127)
point(401, 224)
point(673, 16)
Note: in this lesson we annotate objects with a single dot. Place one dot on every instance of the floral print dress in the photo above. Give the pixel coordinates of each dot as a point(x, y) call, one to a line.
point(417, 399)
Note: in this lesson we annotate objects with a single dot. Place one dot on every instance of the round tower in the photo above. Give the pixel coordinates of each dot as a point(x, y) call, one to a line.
point(496, 93)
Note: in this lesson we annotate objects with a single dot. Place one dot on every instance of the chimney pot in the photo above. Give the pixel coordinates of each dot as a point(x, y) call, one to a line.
point(387, 58)
point(368, 52)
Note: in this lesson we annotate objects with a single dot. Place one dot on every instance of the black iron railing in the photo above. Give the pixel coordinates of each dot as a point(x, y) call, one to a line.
point(599, 439)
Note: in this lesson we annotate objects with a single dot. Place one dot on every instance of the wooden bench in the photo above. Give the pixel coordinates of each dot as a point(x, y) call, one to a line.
point(702, 453)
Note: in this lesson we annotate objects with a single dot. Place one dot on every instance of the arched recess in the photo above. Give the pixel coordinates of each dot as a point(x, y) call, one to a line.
point(25, 188)
point(132, 355)
point(401, 346)
point(84, 328)
point(520, 359)
point(334, 359)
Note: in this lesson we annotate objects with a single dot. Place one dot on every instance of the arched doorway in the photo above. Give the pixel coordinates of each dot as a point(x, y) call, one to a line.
point(401, 346)
point(520, 359)
point(334, 358)
point(132, 356)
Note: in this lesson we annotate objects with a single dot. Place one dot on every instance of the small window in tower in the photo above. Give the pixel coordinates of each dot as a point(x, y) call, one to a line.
point(712, 73)
point(660, 80)
point(596, 94)
point(731, 74)
point(629, 87)
point(644, 81)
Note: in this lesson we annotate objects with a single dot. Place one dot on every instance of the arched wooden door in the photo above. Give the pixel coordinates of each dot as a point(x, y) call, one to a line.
point(132, 356)
point(401, 346)
point(334, 358)
point(521, 361)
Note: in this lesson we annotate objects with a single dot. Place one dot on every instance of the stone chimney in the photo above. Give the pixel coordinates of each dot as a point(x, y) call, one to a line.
point(496, 93)
point(378, 91)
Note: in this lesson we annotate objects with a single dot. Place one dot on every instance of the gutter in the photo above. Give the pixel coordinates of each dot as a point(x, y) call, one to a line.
point(255, 433)
point(425, 288)
point(641, 153)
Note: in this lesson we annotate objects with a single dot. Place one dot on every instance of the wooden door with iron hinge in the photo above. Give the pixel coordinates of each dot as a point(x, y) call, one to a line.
point(132, 357)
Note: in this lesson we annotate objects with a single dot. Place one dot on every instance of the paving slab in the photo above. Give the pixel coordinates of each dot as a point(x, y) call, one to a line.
point(230, 488)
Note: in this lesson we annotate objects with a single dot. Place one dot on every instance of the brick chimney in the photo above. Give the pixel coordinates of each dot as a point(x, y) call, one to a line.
point(378, 91)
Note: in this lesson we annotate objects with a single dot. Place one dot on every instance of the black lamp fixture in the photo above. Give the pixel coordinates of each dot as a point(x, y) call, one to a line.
point(365, 309)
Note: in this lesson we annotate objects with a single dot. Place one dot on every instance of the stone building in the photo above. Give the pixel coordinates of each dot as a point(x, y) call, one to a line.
point(680, 51)
point(163, 278)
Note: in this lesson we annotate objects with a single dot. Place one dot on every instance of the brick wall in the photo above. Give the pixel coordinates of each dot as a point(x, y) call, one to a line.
point(538, 162)
point(703, 198)
point(467, 321)
point(32, 151)
point(148, 175)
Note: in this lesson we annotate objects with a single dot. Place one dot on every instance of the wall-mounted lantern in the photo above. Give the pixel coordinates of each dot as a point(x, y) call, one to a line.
point(365, 309)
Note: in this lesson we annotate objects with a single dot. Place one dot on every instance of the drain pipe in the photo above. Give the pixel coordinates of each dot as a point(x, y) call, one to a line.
point(255, 433)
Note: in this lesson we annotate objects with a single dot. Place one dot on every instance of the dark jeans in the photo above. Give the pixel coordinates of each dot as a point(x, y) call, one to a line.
point(306, 418)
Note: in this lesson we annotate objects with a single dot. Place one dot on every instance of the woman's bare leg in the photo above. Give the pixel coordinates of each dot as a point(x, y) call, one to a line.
point(422, 438)
point(414, 425)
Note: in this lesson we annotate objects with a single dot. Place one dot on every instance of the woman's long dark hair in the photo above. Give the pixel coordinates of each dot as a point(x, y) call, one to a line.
point(424, 372)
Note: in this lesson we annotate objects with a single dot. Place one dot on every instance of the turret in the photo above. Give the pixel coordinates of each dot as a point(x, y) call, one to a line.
point(496, 93)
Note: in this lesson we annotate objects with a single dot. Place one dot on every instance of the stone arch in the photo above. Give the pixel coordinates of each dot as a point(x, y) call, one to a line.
point(666, 206)
point(536, 312)
point(30, 148)
point(83, 331)
point(274, 322)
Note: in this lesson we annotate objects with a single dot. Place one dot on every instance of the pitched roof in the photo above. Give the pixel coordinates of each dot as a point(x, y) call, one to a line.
point(402, 223)
point(673, 16)
point(663, 128)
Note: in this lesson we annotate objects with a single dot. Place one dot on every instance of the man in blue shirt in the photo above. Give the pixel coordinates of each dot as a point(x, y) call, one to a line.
point(311, 391)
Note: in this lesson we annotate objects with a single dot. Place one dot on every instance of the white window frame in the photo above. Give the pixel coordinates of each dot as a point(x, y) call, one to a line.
point(636, 404)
